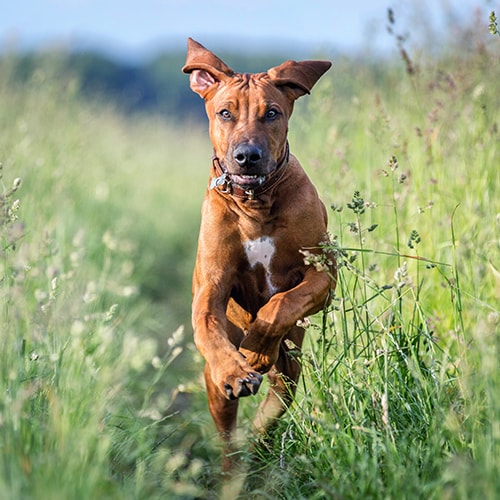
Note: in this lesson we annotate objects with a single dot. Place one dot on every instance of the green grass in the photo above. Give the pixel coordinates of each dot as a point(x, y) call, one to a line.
point(100, 388)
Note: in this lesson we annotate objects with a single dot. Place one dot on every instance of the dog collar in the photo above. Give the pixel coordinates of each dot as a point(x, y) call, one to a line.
point(223, 183)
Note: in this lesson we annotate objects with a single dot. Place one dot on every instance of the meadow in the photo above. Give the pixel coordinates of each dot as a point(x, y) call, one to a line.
point(101, 394)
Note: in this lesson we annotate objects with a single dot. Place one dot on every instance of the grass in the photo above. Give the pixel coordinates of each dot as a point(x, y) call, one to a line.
point(100, 387)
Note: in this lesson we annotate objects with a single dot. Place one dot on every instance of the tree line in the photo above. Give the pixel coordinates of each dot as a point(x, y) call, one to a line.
point(152, 86)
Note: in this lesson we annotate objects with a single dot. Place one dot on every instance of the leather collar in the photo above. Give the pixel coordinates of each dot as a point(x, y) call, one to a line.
point(222, 181)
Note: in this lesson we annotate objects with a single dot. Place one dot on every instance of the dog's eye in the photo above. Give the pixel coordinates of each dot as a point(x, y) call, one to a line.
point(225, 114)
point(271, 114)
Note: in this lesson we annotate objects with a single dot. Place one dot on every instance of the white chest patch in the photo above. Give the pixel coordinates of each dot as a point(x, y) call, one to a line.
point(261, 251)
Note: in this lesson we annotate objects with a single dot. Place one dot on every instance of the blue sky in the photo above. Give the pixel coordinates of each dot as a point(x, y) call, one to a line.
point(134, 28)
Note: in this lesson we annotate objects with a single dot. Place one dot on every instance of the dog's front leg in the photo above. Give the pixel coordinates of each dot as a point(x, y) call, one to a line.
point(261, 345)
point(228, 369)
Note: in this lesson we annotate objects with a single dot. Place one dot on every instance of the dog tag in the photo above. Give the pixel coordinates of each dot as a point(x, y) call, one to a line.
point(250, 193)
point(219, 181)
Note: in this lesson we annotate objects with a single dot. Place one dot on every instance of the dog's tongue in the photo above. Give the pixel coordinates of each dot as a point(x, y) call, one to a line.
point(248, 180)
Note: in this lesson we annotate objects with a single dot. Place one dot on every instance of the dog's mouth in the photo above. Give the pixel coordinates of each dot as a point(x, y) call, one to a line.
point(250, 182)
point(247, 180)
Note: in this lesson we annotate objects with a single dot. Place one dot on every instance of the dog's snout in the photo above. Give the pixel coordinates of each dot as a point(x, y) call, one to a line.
point(247, 155)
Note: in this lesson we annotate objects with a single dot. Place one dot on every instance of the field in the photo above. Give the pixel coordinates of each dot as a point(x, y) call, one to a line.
point(100, 388)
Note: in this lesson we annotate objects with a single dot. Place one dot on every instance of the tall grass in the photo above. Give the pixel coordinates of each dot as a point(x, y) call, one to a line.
point(100, 387)
point(400, 395)
point(92, 293)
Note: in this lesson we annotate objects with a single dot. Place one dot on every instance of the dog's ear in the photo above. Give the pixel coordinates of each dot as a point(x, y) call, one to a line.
point(298, 78)
point(205, 68)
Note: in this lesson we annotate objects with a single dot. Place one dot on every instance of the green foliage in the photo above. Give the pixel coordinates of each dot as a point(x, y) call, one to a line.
point(91, 288)
point(401, 383)
point(100, 387)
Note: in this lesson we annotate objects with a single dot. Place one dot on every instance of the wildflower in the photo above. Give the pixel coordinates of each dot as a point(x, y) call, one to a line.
point(54, 284)
point(393, 163)
point(320, 262)
point(292, 346)
point(401, 276)
point(304, 323)
point(111, 313)
point(353, 227)
point(357, 204)
point(333, 241)
point(13, 210)
point(478, 91)
point(177, 337)
point(493, 26)
point(414, 239)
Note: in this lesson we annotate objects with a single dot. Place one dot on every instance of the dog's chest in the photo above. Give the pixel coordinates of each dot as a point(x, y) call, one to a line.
point(260, 252)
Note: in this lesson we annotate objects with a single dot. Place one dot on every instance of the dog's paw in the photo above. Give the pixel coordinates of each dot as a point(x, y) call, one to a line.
point(237, 387)
point(234, 377)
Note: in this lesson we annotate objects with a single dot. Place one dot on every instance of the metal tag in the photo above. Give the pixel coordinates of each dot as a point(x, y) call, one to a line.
point(219, 181)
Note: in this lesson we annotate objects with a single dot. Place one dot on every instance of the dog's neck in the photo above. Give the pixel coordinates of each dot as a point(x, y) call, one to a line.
point(222, 182)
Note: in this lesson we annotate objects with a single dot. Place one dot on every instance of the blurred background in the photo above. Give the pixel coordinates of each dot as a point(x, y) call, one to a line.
point(132, 51)
point(133, 30)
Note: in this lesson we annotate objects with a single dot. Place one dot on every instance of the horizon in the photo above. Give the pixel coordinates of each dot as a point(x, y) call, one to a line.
point(128, 32)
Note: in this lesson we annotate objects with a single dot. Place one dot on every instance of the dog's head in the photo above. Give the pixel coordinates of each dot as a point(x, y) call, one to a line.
point(249, 113)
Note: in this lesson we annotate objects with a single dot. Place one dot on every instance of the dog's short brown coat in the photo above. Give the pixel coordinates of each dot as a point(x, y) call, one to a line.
point(251, 285)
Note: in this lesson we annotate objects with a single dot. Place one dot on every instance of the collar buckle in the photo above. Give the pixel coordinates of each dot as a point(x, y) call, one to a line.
point(223, 183)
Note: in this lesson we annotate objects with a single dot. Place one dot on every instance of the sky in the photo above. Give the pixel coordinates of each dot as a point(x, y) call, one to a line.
point(137, 28)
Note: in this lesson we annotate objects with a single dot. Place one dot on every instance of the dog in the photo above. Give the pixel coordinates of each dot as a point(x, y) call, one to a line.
point(251, 285)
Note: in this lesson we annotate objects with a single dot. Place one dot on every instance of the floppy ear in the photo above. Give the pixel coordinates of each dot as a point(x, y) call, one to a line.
point(205, 68)
point(298, 77)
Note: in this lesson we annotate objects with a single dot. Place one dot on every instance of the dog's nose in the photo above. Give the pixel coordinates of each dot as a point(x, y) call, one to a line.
point(247, 155)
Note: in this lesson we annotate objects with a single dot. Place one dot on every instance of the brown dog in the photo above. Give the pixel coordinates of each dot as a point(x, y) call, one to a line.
point(251, 285)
